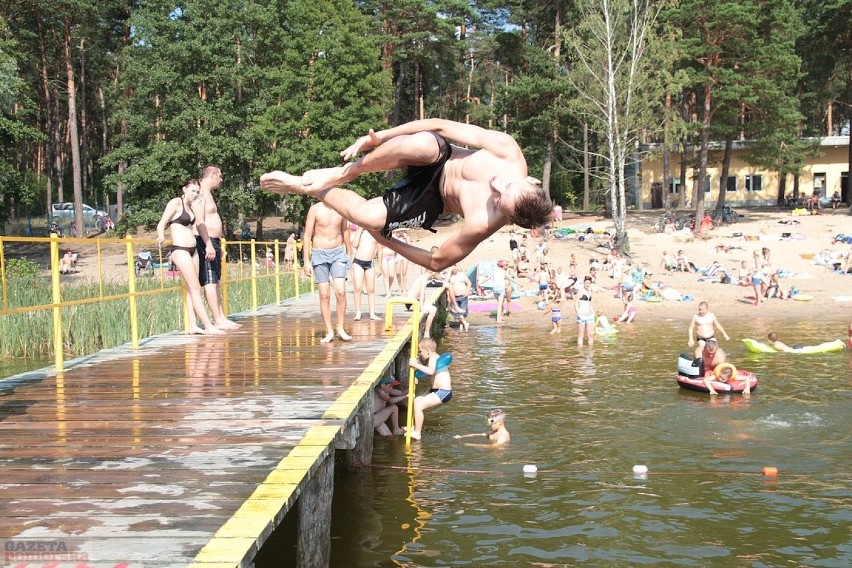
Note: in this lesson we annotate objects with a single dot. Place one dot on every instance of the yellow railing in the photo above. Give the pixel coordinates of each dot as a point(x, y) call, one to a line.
point(29, 247)
point(415, 341)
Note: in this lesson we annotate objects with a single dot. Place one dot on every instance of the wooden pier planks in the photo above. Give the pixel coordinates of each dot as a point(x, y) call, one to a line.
point(190, 450)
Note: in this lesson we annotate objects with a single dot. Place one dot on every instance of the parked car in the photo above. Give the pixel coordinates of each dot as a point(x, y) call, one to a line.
point(65, 212)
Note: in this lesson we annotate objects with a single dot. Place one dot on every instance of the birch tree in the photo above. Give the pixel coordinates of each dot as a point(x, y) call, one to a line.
point(612, 75)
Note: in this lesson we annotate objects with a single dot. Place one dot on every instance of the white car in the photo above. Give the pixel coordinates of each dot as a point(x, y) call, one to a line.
point(65, 212)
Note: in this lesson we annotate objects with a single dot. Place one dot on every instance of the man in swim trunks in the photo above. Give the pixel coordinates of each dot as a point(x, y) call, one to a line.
point(489, 187)
point(209, 231)
point(458, 290)
point(704, 325)
point(325, 252)
point(363, 272)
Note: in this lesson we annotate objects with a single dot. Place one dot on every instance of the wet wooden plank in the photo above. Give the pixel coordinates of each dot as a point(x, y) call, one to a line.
point(192, 446)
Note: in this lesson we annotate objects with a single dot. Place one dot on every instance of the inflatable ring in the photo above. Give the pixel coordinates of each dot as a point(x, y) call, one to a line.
point(718, 371)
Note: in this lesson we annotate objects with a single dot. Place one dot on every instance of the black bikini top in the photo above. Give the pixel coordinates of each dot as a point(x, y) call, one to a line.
point(185, 218)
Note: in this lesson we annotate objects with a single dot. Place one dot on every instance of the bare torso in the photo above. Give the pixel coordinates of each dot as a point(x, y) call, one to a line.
point(704, 325)
point(366, 246)
point(212, 220)
point(465, 186)
point(328, 227)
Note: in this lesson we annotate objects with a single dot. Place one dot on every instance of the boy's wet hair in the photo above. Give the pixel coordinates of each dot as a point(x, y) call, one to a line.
point(428, 343)
point(496, 414)
point(534, 208)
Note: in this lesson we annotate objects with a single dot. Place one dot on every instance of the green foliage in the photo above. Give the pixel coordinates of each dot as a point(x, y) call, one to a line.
point(21, 268)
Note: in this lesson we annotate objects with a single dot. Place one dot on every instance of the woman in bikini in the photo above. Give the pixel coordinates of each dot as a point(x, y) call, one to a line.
point(388, 257)
point(180, 218)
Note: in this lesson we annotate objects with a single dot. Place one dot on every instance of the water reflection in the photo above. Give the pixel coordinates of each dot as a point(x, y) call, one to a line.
point(585, 417)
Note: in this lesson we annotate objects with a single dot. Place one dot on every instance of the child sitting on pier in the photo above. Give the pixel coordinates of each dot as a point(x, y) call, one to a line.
point(386, 399)
point(441, 391)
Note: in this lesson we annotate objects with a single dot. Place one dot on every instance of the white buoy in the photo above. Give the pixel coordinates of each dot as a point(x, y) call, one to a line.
point(530, 468)
point(640, 470)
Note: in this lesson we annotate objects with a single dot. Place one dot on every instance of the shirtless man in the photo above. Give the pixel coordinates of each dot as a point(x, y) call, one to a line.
point(208, 234)
point(703, 325)
point(713, 357)
point(458, 290)
point(778, 344)
point(363, 272)
point(325, 252)
point(489, 187)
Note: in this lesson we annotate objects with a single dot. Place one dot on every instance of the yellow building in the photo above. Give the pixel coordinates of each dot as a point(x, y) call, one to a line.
point(747, 185)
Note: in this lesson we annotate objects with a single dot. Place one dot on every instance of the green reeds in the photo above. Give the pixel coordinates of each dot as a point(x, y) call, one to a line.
point(105, 324)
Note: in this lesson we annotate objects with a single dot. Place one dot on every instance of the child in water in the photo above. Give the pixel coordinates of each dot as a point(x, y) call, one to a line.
point(555, 312)
point(629, 312)
point(497, 434)
point(441, 391)
point(602, 324)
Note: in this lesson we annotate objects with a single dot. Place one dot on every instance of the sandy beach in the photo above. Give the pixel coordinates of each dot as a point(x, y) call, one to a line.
point(794, 241)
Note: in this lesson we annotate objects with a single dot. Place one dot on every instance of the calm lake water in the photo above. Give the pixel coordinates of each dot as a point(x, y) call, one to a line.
point(585, 417)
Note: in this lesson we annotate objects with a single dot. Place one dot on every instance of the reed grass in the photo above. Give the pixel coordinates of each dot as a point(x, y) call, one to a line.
point(105, 324)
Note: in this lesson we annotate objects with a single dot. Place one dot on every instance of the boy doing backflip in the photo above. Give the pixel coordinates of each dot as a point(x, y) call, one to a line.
point(488, 186)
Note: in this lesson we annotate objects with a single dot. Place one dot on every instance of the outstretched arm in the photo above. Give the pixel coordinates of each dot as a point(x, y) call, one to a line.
point(447, 254)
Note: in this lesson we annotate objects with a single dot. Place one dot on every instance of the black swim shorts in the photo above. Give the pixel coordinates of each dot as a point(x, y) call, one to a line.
point(209, 271)
point(415, 201)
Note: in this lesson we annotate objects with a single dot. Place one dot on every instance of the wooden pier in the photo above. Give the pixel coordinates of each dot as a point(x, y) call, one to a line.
point(191, 450)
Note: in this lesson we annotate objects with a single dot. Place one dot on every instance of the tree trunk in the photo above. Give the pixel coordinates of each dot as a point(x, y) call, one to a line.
point(50, 124)
point(667, 194)
point(782, 188)
point(703, 153)
point(548, 162)
point(723, 182)
point(586, 168)
point(80, 222)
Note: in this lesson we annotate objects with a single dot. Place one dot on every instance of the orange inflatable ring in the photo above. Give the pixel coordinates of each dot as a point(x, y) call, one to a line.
point(718, 371)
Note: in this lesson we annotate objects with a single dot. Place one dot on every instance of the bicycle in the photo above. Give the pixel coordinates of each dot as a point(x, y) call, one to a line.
point(729, 216)
point(104, 224)
point(660, 224)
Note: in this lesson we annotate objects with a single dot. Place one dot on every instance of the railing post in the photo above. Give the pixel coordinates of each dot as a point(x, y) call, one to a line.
point(223, 281)
point(131, 292)
point(253, 272)
point(58, 344)
point(3, 276)
point(100, 271)
point(415, 340)
point(296, 268)
point(277, 273)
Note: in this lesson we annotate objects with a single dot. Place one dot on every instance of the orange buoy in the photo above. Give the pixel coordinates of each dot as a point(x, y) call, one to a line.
point(770, 471)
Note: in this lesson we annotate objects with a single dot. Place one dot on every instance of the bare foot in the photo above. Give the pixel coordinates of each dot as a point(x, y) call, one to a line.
point(343, 335)
point(282, 182)
point(357, 316)
point(213, 331)
point(228, 325)
point(317, 180)
point(415, 435)
point(399, 432)
point(195, 331)
point(328, 338)
point(374, 317)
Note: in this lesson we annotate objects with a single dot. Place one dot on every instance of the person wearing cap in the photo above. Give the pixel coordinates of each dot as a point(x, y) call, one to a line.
point(497, 434)
point(386, 397)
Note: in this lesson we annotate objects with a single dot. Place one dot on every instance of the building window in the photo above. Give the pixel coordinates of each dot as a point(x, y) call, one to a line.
point(731, 184)
point(754, 183)
point(674, 186)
